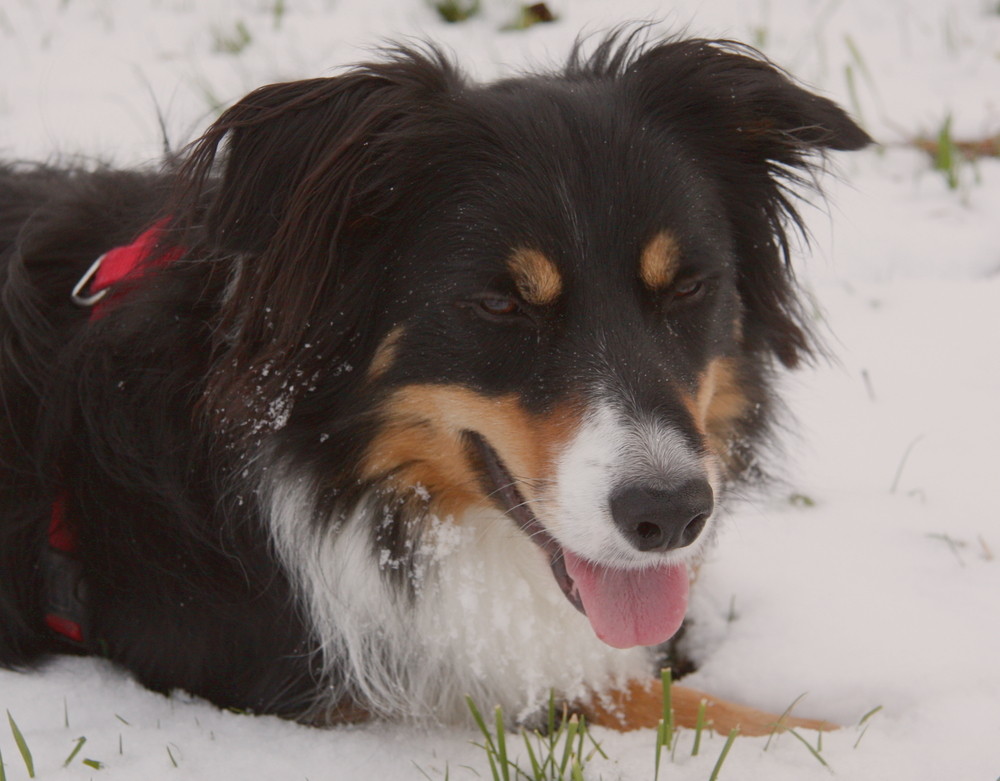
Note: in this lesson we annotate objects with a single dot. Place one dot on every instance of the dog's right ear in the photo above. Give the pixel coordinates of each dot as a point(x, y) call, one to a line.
point(284, 182)
point(282, 138)
point(274, 140)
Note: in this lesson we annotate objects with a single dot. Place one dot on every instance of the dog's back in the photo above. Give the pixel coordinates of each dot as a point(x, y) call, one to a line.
point(53, 223)
point(128, 444)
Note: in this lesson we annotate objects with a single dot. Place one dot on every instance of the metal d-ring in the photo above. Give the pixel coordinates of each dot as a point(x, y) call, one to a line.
point(75, 294)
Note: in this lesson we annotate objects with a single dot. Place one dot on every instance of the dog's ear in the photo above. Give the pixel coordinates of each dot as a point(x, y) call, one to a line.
point(275, 139)
point(730, 90)
point(283, 141)
point(755, 132)
point(286, 177)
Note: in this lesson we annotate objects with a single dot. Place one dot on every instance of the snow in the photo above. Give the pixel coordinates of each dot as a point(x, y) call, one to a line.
point(877, 586)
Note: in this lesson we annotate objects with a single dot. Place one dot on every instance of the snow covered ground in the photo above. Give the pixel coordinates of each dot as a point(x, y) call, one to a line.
point(869, 578)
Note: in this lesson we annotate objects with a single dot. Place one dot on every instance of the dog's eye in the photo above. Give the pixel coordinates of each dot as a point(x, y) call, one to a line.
point(498, 306)
point(688, 289)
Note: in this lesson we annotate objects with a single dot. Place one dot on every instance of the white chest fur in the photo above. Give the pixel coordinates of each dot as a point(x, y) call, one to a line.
point(487, 619)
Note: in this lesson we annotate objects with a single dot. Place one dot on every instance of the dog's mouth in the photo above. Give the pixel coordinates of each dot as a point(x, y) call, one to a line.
point(625, 607)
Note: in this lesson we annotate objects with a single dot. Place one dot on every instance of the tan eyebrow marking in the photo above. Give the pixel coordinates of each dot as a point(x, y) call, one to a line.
point(536, 276)
point(385, 354)
point(660, 261)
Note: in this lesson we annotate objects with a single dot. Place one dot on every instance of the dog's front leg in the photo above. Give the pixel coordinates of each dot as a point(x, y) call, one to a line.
point(641, 705)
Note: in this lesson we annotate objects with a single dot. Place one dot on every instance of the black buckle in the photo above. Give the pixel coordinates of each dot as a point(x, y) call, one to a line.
point(65, 597)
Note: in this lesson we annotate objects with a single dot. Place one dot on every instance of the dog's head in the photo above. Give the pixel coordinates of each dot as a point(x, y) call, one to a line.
point(562, 295)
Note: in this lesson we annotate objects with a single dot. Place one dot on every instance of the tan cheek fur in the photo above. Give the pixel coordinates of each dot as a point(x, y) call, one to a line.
point(718, 405)
point(420, 442)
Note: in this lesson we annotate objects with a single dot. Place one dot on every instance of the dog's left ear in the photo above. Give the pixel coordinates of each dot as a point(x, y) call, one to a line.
point(753, 131)
point(729, 90)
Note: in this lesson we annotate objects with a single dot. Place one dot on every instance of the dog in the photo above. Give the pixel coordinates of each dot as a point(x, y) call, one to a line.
point(395, 388)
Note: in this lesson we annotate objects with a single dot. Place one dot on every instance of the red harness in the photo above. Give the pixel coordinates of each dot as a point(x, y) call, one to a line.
point(108, 279)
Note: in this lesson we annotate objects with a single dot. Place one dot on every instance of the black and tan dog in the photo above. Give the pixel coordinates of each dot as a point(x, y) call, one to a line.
point(397, 388)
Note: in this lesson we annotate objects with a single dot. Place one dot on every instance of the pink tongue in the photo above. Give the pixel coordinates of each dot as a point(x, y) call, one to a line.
point(630, 607)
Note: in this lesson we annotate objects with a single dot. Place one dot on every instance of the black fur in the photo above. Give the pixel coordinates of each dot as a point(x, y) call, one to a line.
point(340, 209)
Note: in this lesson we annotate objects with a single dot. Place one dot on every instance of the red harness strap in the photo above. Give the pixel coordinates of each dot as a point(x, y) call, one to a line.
point(121, 265)
point(109, 280)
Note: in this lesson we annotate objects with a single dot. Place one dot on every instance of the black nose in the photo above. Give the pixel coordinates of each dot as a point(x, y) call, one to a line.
point(657, 518)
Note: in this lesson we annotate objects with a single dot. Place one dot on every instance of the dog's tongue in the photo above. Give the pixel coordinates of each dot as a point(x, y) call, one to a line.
point(630, 607)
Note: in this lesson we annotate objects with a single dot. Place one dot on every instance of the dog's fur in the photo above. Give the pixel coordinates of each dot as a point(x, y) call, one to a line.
point(418, 322)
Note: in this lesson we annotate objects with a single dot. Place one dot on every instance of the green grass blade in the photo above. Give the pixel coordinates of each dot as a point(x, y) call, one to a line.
point(551, 735)
point(863, 725)
point(947, 159)
point(666, 679)
point(868, 715)
point(493, 766)
point(580, 738)
point(660, 730)
point(536, 768)
point(93, 763)
point(75, 751)
point(699, 727)
point(3, 773)
point(424, 773)
point(501, 744)
point(569, 736)
point(812, 750)
point(481, 723)
point(22, 746)
point(722, 757)
point(597, 747)
point(776, 727)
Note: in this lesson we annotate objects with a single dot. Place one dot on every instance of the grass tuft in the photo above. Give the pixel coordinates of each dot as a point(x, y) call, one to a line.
point(801, 500)
point(278, 11)
point(950, 155)
point(564, 751)
point(947, 158)
point(455, 11)
point(530, 14)
point(232, 42)
point(562, 754)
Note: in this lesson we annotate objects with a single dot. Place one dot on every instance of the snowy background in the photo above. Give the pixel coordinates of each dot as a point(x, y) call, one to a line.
point(869, 578)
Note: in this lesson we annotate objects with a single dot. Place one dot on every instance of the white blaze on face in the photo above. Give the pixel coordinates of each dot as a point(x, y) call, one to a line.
point(612, 449)
point(630, 597)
